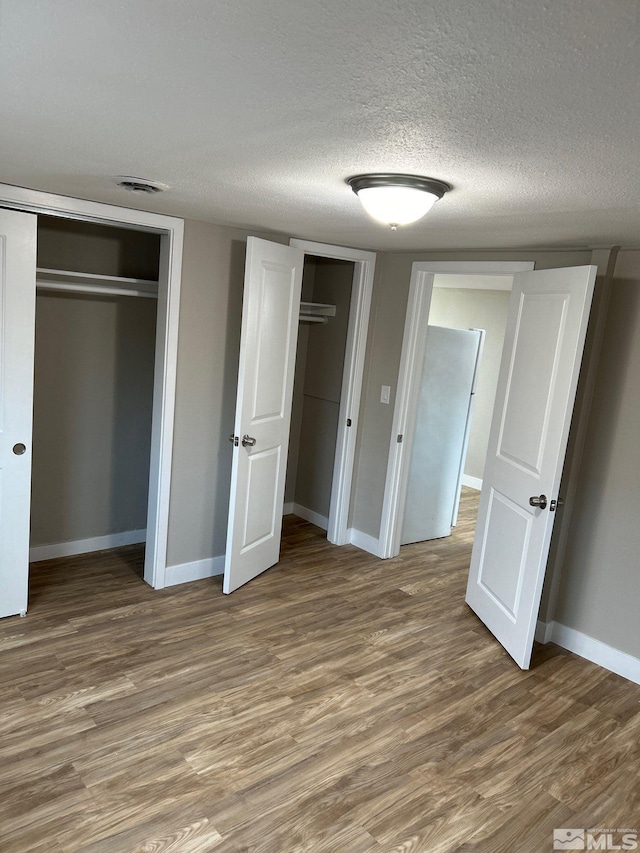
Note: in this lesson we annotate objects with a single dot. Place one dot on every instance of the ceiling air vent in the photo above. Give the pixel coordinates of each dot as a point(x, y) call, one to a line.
point(140, 185)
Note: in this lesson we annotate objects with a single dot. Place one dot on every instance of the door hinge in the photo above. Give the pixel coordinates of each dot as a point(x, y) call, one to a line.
point(348, 421)
point(399, 439)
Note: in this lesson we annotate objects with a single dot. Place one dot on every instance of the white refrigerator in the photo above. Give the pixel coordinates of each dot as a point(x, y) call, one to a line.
point(441, 432)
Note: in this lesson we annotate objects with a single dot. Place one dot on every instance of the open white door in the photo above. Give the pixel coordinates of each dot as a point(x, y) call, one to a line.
point(539, 371)
point(17, 320)
point(270, 310)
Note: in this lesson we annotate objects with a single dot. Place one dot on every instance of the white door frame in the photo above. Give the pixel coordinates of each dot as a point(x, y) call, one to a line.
point(365, 263)
point(413, 346)
point(171, 231)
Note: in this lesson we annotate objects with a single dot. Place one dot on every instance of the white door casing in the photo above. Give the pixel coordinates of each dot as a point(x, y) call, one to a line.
point(17, 319)
point(171, 231)
point(404, 414)
point(270, 310)
point(541, 359)
point(413, 342)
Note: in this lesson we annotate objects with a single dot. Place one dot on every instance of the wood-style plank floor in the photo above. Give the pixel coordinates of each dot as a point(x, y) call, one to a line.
point(337, 703)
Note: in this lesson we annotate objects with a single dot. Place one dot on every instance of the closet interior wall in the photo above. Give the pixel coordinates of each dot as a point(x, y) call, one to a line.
point(94, 372)
point(317, 389)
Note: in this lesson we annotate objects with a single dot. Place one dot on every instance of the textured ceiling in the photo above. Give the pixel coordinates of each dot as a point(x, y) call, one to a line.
point(255, 112)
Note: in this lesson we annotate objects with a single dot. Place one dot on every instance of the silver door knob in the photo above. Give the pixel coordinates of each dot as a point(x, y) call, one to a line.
point(248, 441)
point(539, 501)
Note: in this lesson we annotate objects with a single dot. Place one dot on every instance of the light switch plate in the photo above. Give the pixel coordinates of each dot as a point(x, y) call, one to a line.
point(385, 393)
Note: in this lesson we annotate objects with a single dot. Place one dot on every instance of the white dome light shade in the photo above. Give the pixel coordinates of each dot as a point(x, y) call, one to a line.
point(396, 205)
point(397, 199)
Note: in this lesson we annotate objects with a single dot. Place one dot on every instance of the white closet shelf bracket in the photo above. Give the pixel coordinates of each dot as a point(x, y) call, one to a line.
point(308, 318)
point(316, 312)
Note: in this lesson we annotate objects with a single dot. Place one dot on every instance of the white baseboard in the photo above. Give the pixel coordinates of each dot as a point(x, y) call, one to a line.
point(195, 571)
point(287, 509)
point(365, 542)
point(85, 546)
point(591, 649)
point(308, 515)
point(472, 482)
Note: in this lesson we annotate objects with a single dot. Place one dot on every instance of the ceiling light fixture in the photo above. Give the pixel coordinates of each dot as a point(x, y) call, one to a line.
point(397, 199)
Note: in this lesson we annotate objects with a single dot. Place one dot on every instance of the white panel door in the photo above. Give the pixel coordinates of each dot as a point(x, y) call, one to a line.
point(270, 310)
point(440, 429)
point(539, 371)
point(17, 321)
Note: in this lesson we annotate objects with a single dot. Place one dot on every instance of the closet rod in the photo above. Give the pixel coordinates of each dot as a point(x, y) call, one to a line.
point(93, 288)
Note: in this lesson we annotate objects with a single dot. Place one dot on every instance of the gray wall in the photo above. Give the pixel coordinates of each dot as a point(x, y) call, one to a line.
point(389, 307)
point(297, 403)
point(93, 387)
point(322, 387)
point(599, 588)
point(599, 591)
point(480, 309)
point(92, 416)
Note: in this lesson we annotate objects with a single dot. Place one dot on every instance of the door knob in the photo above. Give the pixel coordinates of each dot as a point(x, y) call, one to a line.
point(539, 501)
point(19, 449)
point(248, 441)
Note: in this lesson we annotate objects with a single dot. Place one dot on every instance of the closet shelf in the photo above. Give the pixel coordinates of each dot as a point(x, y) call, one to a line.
point(318, 308)
point(81, 282)
point(316, 312)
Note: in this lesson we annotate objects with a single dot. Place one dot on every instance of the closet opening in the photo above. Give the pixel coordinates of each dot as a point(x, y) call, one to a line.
point(319, 384)
point(95, 353)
